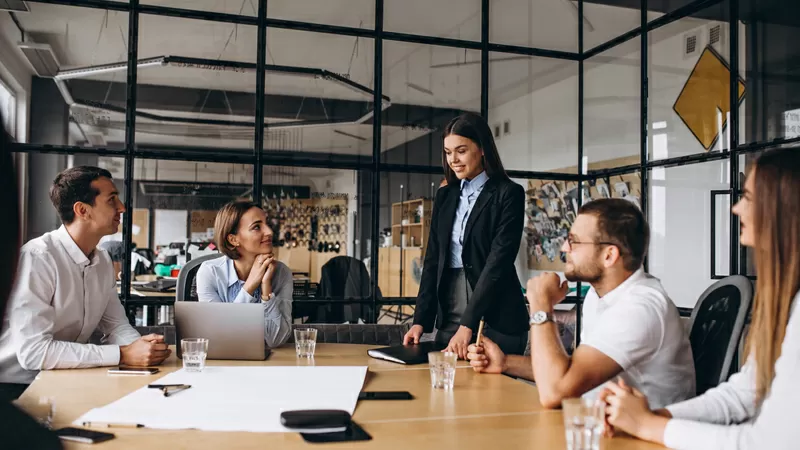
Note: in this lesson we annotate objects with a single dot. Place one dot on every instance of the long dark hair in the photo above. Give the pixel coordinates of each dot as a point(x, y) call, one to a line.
point(474, 128)
point(9, 226)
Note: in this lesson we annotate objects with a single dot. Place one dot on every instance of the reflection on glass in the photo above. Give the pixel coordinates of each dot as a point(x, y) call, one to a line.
point(319, 97)
point(533, 112)
point(524, 23)
point(680, 214)
point(428, 85)
point(612, 107)
point(356, 14)
point(689, 85)
point(79, 59)
point(458, 19)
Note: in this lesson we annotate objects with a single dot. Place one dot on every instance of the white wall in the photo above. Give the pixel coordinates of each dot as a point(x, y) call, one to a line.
point(544, 137)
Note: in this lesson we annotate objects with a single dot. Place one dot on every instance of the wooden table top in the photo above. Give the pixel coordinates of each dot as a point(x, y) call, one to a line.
point(483, 411)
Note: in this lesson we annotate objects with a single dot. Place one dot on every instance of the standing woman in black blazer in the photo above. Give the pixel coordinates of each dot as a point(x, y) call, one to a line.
point(468, 273)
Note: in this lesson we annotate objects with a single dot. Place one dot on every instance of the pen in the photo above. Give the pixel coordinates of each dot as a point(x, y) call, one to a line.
point(480, 333)
point(162, 386)
point(112, 425)
point(171, 390)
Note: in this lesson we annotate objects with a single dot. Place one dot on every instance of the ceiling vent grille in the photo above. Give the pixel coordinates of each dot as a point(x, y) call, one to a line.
point(41, 58)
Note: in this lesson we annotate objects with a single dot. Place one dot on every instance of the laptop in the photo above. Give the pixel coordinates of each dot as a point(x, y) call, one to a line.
point(233, 330)
point(406, 354)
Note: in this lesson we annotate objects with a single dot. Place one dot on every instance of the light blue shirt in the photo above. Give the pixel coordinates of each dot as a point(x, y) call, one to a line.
point(217, 281)
point(470, 190)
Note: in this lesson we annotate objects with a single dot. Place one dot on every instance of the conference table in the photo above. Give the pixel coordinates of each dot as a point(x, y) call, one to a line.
point(482, 411)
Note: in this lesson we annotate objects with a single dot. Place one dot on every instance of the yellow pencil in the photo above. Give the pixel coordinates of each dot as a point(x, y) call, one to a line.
point(480, 333)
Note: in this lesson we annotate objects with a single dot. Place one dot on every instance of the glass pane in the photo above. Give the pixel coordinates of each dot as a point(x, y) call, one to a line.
point(427, 86)
point(522, 22)
point(406, 205)
point(357, 13)
point(612, 107)
point(680, 216)
point(457, 19)
point(242, 8)
point(319, 97)
point(73, 93)
point(604, 21)
point(196, 86)
point(533, 112)
point(767, 56)
point(689, 91)
point(40, 170)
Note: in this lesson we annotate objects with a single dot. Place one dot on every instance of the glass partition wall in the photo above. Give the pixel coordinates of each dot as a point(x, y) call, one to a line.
point(331, 118)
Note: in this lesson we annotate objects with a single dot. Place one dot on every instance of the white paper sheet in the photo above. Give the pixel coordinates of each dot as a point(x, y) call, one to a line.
point(235, 398)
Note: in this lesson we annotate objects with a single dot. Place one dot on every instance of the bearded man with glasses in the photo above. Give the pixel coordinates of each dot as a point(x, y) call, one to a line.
point(631, 328)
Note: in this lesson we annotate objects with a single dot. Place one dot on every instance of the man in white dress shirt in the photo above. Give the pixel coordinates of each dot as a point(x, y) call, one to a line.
point(631, 328)
point(66, 290)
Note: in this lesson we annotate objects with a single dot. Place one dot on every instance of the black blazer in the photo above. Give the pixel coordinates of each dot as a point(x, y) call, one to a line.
point(491, 242)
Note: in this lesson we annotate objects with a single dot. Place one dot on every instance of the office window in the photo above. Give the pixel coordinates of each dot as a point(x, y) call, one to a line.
point(348, 13)
point(196, 85)
point(612, 107)
point(319, 98)
point(428, 86)
point(682, 239)
point(242, 8)
point(79, 61)
point(8, 109)
point(525, 23)
point(533, 103)
point(603, 21)
point(456, 19)
point(689, 90)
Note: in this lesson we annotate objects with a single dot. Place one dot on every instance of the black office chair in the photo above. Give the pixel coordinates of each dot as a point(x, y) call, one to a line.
point(186, 289)
point(368, 334)
point(716, 327)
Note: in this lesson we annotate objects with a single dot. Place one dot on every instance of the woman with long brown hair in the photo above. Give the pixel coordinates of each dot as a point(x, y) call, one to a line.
point(756, 407)
point(476, 227)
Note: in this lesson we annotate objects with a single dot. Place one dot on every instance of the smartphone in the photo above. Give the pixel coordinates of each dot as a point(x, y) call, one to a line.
point(385, 395)
point(83, 436)
point(125, 370)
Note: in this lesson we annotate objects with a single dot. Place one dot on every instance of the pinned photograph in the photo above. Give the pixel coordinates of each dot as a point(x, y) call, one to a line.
point(602, 190)
point(621, 189)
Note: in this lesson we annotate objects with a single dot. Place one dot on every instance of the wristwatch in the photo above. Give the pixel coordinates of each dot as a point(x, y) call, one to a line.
point(540, 317)
point(269, 297)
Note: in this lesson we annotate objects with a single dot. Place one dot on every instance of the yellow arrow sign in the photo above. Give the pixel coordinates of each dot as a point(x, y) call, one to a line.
point(706, 94)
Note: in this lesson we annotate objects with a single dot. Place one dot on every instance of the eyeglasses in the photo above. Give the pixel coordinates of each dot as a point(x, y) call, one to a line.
point(572, 242)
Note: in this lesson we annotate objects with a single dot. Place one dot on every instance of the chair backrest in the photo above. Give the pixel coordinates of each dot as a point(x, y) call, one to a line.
point(186, 290)
point(715, 328)
point(370, 334)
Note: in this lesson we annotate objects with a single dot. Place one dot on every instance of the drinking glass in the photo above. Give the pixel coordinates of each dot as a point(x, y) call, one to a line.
point(583, 423)
point(193, 353)
point(443, 369)
point(305, 342)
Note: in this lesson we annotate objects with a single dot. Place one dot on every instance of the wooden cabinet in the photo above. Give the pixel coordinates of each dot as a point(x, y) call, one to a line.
point(400, 266)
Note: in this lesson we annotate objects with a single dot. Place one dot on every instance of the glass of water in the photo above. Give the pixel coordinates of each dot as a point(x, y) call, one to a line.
point(443, 369)
point(193, 353)
point(305, 342)
point(583, 423)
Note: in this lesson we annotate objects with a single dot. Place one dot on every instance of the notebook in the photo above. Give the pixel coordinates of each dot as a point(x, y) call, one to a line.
point(406, 354)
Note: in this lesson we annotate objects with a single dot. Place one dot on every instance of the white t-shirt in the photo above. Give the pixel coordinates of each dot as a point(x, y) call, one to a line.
point(639, 327)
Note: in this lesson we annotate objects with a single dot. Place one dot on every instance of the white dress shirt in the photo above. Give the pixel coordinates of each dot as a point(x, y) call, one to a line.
point(729, 417)
point(60, 299)
point(638, 326)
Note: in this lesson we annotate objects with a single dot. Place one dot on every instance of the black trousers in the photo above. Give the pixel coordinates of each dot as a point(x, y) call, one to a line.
point(11, 391)
point(458, 293)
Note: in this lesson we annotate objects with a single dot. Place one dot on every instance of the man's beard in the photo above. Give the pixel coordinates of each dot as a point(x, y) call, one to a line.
point(589, 272)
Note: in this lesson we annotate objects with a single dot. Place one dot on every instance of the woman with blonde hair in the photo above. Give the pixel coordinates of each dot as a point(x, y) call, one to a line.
point(755, 408)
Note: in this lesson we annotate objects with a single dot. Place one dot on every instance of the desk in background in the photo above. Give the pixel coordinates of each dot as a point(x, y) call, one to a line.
point(484, 411)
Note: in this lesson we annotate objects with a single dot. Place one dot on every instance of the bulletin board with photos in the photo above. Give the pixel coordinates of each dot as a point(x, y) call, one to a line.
point(551, 208)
